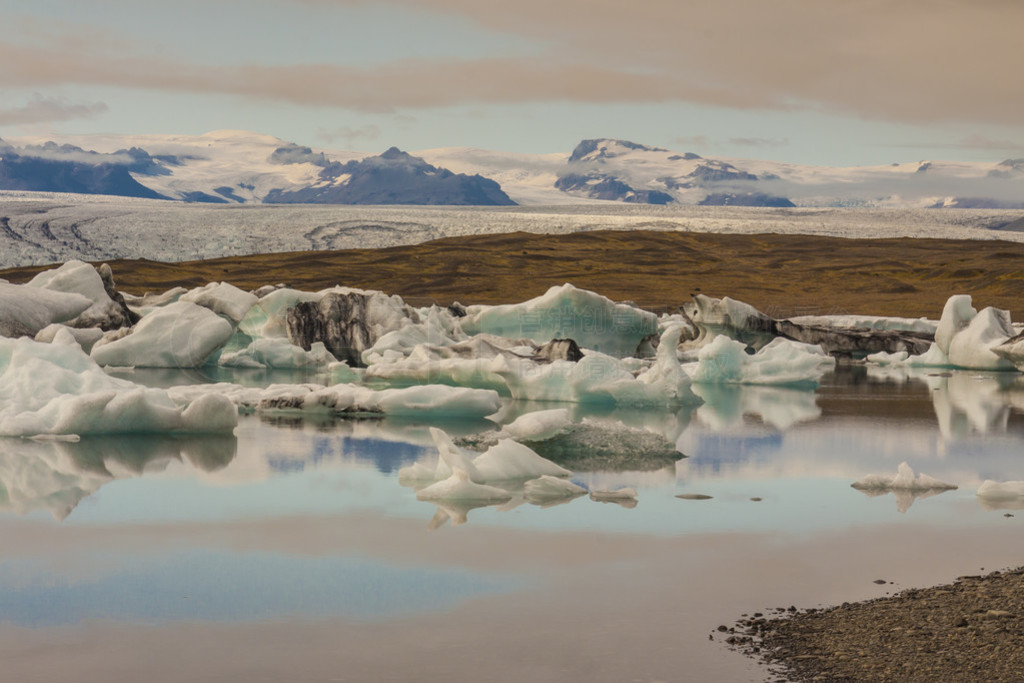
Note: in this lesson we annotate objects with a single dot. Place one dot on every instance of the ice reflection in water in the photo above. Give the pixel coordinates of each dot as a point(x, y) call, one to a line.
point(299, 528)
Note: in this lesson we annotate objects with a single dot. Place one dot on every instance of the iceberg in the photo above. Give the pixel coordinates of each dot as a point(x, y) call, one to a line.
point(348, 399)
point(222, 298)
point(179, 335)
point(1003, 493)
point(594, 321)
point(780, 362)
point(58, 389)
point(276, 353)
point(458, 487)
point(86, 337)
point(905, 480)
point(546, 489)
point(77, 277)
point(539, 425)
point(24, 310)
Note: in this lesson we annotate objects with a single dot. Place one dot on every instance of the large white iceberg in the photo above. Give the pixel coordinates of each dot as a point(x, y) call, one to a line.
point(78, 277)
point(24, 310)
point(565, 312)
point(179, 335)
point(57, 389)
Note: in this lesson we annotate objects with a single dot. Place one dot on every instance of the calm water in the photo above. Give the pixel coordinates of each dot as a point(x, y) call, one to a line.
point(291, 551)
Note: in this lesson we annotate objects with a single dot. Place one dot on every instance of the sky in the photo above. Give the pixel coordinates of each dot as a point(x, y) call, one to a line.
point(832, 82)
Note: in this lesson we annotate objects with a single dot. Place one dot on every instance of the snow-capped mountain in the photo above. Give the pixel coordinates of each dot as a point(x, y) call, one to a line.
point(245, 167)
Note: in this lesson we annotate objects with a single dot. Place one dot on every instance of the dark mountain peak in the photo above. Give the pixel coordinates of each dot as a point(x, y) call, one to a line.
point(393, 153)
point(394, 177)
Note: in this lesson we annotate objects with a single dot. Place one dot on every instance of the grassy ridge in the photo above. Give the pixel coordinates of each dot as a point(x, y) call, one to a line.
point(783, 275)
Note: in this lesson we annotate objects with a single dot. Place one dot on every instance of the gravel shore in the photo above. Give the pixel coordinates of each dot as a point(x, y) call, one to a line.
point(970, 630)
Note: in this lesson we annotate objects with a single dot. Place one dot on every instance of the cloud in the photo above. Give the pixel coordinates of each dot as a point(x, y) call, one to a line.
point(693, 141)
point(757, 142)
point(898, 60)
point(48, 110)
point(974, 141)
point(349, 134)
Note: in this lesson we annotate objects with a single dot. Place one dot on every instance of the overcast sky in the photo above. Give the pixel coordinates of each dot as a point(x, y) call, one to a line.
point(837, 82)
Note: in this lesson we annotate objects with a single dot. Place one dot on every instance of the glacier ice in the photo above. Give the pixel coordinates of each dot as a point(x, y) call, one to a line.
point(222, 298)
point(58, 389)
point(277, 353)
point(24, 310)
point(780, 361)
point(539, 425)
point(594, 321)
point(86, 337)
point(77, 277)
point(179, 335)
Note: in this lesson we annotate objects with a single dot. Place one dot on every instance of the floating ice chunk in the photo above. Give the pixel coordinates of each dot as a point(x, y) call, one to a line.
point(666, 376)
point(462, 372)
point(436, 330)
point(903, 481)
point(538, 426)
point(24, 310)
point(548, 489)
point(626, 493)
point(781, 361)
point(972, 346)
point(77, 277)
point(85, 337)
point(222, 298)
point(509, 459)
point(1012, 350)
point(886, 358)
point(868, 322)
point(179, 335)
point(349, 399)
point(729, 317)
point(594, 321)
point(277, 353)
point(57, 389)
point(459, 487)
point(956, 315)
point(594, 379)
point(267, 317)
point(453, 459)
point(1002, 491)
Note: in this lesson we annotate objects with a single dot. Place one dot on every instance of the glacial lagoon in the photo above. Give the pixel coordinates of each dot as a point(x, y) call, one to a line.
point(293, 550)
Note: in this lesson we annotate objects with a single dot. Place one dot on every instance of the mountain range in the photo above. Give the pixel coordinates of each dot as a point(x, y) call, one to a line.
point(231, 167)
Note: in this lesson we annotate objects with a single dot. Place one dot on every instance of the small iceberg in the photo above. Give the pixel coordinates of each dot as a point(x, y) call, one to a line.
point(905, 480)
point(1001, 495)
point(459, 488)
point(905, 486)
point(547, 490)
point(625, 496)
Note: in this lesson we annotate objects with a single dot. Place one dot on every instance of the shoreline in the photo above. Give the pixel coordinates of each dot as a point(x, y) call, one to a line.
point(781, 275)
point(967, 630)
